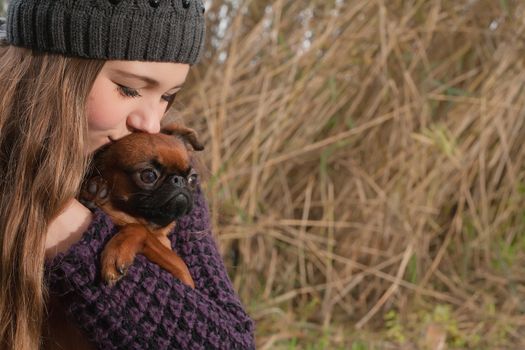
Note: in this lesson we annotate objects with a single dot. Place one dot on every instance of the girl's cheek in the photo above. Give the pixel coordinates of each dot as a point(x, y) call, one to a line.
point(104, 114)
point(100, 119)
point(105, 108)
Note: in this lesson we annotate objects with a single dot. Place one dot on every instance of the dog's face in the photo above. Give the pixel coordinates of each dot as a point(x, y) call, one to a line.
point(151, 175)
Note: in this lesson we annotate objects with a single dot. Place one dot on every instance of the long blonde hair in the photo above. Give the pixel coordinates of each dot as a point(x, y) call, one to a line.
point(43, 130)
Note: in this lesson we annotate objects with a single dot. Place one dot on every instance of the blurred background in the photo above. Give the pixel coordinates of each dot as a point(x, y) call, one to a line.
point(365, 171)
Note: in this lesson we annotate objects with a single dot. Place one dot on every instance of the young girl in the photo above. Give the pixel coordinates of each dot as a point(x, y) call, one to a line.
point(75, 75)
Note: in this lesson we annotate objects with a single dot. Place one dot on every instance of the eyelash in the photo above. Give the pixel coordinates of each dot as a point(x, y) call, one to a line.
point(127, 91)
point(130, 92)
point(169, 98)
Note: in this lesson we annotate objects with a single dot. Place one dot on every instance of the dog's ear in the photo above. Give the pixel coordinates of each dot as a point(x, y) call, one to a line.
point(186, 134)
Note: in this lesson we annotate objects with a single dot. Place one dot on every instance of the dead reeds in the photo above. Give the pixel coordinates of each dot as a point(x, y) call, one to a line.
point(366, 169)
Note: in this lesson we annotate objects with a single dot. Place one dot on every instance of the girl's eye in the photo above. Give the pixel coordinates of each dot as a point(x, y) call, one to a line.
point(169, 98)
point(127, 91)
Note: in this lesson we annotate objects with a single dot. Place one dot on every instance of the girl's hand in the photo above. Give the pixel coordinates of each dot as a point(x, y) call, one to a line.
point(67, 228)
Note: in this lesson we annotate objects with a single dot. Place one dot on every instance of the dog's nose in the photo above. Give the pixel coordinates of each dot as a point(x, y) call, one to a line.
point(181, 201)
point(178, 181)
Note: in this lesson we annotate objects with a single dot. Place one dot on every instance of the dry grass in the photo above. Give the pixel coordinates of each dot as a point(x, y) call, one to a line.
point(368, 188)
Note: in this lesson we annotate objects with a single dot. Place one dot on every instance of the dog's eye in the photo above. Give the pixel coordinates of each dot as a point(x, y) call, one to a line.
point(192, 180)
point(148, 176)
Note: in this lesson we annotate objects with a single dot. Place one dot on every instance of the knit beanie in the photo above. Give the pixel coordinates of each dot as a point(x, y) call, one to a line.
point(137, 30)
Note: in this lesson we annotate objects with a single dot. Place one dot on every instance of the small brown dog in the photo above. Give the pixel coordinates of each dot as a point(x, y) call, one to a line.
point(144, 182)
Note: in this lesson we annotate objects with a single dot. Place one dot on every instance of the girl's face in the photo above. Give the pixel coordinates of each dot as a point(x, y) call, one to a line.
point(130, 96)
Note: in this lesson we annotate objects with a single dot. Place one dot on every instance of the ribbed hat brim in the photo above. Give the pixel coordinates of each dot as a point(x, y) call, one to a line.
point(99, 29)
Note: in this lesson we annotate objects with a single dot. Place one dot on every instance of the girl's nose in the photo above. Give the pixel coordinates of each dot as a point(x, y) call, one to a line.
point(146, 119)
point(147, 124)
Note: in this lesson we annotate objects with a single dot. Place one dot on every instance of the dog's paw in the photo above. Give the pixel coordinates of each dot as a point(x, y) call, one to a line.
point(116, 259)
point(94, 192)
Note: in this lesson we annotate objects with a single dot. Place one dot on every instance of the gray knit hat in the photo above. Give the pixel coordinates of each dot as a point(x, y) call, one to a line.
point(138, 30)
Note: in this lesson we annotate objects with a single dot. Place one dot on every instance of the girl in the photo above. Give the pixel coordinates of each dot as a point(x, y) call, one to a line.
point(75, 75)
